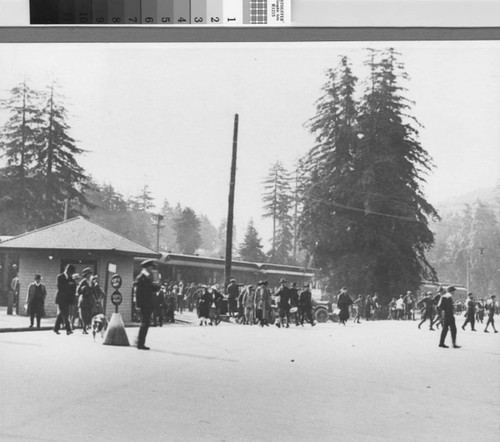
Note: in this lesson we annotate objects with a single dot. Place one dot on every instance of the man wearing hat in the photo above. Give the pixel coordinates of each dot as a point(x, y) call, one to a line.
point(470, 314)
point(283, 294)
point(85, 293)
point(144, 297)
point(65, 296)
point(305, 306)
point(428, 306)
point(263, 303)
point(448, 318)
point(294, 302)
point(437, 300)
point(35, 301)
point(233, 292)
point(490, 307)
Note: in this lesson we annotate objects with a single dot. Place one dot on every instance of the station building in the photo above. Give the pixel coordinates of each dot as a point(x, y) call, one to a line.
point(79, 242)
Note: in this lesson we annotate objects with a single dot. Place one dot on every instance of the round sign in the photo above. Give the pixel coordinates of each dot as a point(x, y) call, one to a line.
point(116, 298)
point(116, 281)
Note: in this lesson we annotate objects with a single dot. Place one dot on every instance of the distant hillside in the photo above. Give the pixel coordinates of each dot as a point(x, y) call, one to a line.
point(457, 204)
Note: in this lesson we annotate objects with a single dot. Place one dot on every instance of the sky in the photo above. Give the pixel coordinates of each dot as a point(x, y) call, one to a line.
point(162, 114)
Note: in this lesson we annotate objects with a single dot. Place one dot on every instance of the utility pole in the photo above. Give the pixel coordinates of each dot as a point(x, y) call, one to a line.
point(158, 225)
point(230, 209)
point(295, 217)
point(66, 208)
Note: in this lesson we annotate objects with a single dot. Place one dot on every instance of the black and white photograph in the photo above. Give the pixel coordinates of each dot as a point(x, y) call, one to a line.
point(250, 241)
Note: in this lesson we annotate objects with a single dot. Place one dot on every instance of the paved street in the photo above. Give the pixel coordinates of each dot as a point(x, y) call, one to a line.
point(368, 382)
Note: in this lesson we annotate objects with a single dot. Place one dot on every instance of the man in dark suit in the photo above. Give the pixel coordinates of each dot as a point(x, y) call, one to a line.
point(35, 301)
point(145, 292)
point(65, 296)
point(305, 306)
point(284, 304)
point(470, 314)
point(233, 292)
point(448, 318)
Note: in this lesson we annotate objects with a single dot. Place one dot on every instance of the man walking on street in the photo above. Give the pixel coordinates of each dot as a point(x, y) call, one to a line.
point(145, 291)
point(284, 304)
point(428, 309)
point(490, 307)
point(65, 296)
point(448, 318)
point(470, 314)
point(305, 306)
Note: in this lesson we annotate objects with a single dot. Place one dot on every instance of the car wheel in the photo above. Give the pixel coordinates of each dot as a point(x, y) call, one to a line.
point(321, 314)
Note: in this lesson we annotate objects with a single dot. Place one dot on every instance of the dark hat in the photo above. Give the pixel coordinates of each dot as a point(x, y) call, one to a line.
point(294, 283)
point(470, 294)
point(86, 271)
point(441, 290)
point(37, 276)
point(148, 263)
point(282, 280)
point(451, 289)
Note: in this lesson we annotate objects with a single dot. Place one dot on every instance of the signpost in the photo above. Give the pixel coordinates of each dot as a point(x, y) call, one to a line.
point(115, 334)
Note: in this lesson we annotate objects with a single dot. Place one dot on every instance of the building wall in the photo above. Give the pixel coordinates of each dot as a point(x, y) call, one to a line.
point(49, 266)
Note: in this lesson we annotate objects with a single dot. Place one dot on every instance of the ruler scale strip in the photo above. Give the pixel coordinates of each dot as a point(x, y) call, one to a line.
point(161, 12)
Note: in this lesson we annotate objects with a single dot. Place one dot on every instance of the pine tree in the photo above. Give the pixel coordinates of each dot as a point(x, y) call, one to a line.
point(484, 251)
point(110, 199)
point(208, 233)
point(18, 147)
point(327, 229)
point(220, 240)
point(57, 174)
point(187, 230)
point(365, 219)
point(142, 202)
point(251, 247)
point(167, 234)
point(278, 203)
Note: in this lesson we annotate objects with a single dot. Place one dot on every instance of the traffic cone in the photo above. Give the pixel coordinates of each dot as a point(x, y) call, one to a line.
point(116, 334)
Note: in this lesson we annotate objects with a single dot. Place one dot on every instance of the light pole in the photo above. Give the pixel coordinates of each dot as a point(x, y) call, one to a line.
point(467, 275)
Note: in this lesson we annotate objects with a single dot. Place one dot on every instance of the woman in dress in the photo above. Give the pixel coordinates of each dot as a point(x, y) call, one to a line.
point(204, 304)
point(249, 303)
point(343, 303)
point(86, 299)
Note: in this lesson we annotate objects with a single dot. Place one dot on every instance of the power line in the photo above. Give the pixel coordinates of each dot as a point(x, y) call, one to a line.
point(366, 212)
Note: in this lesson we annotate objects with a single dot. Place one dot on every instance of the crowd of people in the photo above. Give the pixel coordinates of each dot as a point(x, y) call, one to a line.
point(79, 298)
point(245, 304)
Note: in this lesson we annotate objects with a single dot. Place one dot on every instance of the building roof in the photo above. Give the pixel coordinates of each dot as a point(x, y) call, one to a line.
point(77, 234)
point(219, 263)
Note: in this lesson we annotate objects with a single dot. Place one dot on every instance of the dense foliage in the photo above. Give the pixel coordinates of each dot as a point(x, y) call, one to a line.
point(364, 219)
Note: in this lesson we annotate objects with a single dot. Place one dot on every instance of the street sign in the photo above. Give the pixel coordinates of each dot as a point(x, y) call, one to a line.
point(116, 281)
point(116, 298)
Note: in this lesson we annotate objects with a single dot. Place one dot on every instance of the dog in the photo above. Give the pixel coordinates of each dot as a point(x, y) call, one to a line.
point(99, 325)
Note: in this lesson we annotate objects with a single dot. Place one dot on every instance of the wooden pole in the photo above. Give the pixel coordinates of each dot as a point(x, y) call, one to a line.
point(230, 210)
